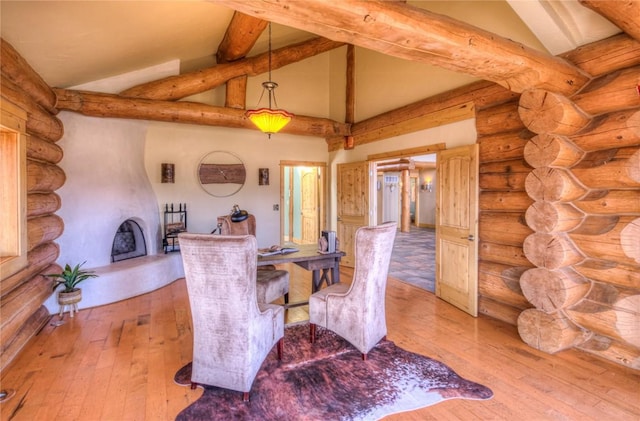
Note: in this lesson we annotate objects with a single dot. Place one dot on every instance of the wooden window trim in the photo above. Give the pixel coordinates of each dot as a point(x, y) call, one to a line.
point(13, 189)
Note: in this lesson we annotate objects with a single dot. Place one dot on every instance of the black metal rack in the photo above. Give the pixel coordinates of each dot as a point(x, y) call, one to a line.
point(175, 222)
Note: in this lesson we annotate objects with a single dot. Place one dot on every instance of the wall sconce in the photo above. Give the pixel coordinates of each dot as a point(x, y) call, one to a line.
point(167, 173)
point(427, 186)
point(263, 176)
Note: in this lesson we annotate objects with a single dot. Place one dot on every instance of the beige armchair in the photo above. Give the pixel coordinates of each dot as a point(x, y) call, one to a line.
point(356, 312)
point(232, 332)
point(272, 282)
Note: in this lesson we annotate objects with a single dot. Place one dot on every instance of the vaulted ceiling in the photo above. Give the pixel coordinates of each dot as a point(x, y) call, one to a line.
point(74, 42)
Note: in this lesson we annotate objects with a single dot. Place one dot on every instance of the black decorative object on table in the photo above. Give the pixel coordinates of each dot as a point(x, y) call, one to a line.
point(175, 222)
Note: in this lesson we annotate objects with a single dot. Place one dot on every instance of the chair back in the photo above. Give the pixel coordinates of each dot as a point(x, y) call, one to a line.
point(246, 227)
point(373, 247)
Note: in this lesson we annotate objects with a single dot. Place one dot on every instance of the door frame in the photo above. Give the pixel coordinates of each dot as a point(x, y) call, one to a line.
point(385, 156)
point(322, 193)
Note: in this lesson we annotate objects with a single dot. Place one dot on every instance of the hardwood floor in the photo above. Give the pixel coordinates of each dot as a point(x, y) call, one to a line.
point(117, 362)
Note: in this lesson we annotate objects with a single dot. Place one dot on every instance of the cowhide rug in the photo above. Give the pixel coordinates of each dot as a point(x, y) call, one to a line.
point(329, 381)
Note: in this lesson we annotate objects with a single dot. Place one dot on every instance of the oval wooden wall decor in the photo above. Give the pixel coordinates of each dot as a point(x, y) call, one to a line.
point(221, 173)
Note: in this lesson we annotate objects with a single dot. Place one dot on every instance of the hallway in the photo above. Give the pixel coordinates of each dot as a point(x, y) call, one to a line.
point(413, 259)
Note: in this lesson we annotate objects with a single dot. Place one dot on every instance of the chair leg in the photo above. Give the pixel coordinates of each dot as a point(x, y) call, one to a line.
point(194, 385)
point(280, 348)
point(245, 396)
point(286, 298)
point(364, 357)
point(312, 332)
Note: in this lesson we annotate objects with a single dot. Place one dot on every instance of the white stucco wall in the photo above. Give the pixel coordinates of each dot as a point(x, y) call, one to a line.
point(186, 145)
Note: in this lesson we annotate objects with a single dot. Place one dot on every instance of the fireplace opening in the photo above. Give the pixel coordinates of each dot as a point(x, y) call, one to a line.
point(128, 242)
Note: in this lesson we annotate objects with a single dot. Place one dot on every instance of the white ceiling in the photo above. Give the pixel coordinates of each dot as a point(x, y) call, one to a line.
point(73, 42)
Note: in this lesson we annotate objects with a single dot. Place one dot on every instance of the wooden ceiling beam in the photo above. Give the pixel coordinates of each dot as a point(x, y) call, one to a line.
point(624, 14)
point(116, 106)
point(180, 86)
point(239, 38)
point(241, 35)
point(411, 33)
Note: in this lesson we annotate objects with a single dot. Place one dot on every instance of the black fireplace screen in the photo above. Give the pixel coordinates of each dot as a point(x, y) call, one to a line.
point(128, 242)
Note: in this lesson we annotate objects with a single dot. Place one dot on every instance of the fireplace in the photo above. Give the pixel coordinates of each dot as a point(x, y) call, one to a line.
point(128, 242)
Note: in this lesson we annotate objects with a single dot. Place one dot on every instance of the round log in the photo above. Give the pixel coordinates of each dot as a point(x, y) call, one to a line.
point(613, 273)
point(39, 204)
point(43, 177)
point(185, 112)
point(619, 130)
point(502, 253)
point(620, 172)
point(509, 275)
point(596, 225)
point(547, 150)
point(504, 201)
point(29, 329)
point(41, 150)
point(548, 112)
point(619, 319)
point(43, 229)
point(610, 202)
point(630, 240)
point(612, 92)
point(22, 74)
point(553, 184)
point(505, 167)
point(503, 181)
point(503, 228)
point(37, 259)
point(198, 81)
point(613, 350)
point(21, 303)
point(551, 290)
point(502, 146)
point(551, 251)
point(236, 93)
point(549, 333)
point(40, 122)
point(499, 311)
point(499, 119)
point(553, 217)
point(605, 56)
point(609, 245)
point(501, 287)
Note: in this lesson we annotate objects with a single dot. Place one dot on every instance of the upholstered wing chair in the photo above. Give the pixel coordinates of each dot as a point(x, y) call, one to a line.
point(273, 283)
point(357, 311)
point(232, 332)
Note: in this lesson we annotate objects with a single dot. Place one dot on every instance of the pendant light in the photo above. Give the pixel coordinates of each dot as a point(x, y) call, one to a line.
point(269, 120)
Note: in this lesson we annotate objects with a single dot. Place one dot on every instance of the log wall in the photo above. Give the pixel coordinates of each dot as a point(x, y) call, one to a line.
point(22, 294)
point(560, 211)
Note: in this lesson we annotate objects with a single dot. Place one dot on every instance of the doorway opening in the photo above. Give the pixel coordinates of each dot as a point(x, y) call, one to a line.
point(302, 201)
point(413, 207)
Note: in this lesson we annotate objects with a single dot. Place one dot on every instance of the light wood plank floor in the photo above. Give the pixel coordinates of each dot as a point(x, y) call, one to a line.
point(117, 362)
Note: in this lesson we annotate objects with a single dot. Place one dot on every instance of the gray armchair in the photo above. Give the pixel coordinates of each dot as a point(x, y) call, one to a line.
point(356, 312)
point(232, 332)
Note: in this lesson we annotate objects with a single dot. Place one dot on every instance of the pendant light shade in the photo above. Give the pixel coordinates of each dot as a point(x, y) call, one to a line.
point(269, 120)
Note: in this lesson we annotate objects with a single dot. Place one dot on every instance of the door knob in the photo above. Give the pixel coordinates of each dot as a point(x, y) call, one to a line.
point(470, 237)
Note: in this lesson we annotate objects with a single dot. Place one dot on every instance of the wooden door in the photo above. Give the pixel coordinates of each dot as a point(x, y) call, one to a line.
point(457, 228)
point(309, 206)
point(353, 205)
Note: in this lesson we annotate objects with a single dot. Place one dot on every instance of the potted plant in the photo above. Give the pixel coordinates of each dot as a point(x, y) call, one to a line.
point(70, 278)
